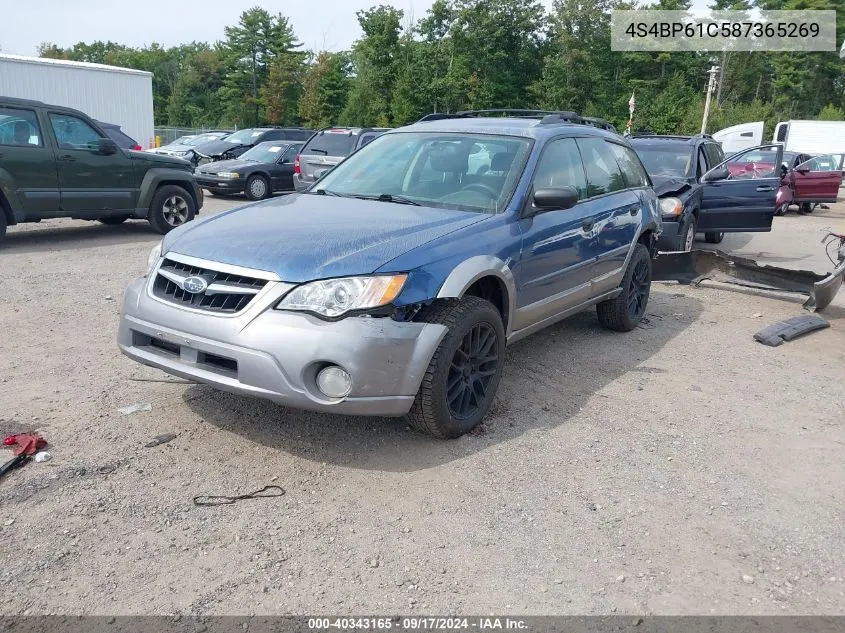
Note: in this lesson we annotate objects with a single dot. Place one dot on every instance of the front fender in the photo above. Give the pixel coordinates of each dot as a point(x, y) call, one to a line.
point(471, 270)
point(156, 176)
point(11, 195)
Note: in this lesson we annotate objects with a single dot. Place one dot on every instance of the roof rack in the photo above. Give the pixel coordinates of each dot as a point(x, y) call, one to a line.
point(547, 117)
point(681, 137)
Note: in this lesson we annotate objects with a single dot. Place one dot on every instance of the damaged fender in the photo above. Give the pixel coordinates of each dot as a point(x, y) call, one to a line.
point(696, 266)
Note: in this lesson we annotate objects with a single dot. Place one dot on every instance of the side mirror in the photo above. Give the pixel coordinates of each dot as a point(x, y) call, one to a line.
point(553, 199)
point(802, 170)
point(103, 146)
point(286, 161)
point(719, 173)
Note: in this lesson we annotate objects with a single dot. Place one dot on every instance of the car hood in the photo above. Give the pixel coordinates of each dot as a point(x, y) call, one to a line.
point(668, 185)
point(301, 237)
point(159, 159)
point(226, 165)
point(215, 148)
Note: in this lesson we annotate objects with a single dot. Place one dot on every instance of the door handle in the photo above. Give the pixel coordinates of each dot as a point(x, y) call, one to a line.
point(587, 225)
point(66, 158)
point(765, 188)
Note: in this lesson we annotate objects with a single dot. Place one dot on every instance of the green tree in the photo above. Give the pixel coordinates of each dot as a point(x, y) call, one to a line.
point(831, 113)
point(325, 88)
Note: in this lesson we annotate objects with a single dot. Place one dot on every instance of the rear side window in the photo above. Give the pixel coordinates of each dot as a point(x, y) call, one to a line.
point(19, 127)
point(561, 166)
point(366, 138)
point(328, 143)
point(603, 173)
point(630, 165)
point(781, 133)
point(72, 132)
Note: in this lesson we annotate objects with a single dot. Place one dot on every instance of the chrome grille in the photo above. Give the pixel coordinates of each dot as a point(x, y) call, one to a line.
point(225, 292)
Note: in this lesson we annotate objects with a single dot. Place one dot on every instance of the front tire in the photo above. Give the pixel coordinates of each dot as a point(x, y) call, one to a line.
point(2, 226)
point(257, 187)
point(461, 380)
point(714, 238)
point(782, 209)
point(172, 206)
point(687, 236)
point(624, 312)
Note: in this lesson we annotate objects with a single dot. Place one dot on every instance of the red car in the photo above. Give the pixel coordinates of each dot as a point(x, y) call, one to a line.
point(808, 181)
point(805, 180)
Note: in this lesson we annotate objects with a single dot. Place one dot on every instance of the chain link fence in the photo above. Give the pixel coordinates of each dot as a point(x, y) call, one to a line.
point(166, 135)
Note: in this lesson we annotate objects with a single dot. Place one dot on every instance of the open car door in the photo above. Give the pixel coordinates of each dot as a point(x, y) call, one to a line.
point(738, 195)
point(817, 180)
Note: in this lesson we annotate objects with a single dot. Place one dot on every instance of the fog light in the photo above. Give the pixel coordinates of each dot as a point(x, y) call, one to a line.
point(334, 382)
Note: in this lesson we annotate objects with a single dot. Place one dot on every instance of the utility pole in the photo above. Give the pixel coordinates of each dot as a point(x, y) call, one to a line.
point(710, 85)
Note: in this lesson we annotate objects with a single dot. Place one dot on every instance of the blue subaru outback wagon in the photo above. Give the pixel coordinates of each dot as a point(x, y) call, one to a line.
point(393, 284)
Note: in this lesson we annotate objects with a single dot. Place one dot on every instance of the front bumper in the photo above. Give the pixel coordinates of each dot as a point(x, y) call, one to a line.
point(668, 240)
point(228, 185)
point(276, 355)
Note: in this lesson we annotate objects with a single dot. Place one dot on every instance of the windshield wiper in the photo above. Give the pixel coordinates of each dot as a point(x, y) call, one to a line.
point(389, 197)
point(326, 192)
point(322, 151)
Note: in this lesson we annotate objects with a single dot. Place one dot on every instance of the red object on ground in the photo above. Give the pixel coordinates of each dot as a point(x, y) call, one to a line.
point(25, 443)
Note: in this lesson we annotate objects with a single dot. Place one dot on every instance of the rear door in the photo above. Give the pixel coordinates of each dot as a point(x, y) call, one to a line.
point(27, 163)
point(738, 195)
point(615, 207)
point(817, 180)
point(90, 182)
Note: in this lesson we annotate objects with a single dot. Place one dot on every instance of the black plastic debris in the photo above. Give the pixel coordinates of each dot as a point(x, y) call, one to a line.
point(790, 329)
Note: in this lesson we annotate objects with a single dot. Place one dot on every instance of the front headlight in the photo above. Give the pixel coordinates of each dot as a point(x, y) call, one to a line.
point(152, 260)
point(229, 175)
point(334, 297)
point(671, 206)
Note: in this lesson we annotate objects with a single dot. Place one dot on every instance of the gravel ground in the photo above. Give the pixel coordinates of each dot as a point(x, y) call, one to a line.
point(678, 469)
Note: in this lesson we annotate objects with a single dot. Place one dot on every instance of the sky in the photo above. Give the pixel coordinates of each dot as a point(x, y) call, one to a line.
point(319, 24)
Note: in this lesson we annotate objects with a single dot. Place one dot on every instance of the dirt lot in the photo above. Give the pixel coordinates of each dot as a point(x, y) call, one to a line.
point(681, 468)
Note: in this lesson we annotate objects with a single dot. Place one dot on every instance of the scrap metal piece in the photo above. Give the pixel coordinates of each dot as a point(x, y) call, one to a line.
point(696, 266)
point(790, 329)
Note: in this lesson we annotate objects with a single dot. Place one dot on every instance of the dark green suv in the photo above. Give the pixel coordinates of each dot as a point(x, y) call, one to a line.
point(58, 163)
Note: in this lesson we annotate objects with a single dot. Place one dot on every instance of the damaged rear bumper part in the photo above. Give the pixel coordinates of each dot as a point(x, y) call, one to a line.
point(696, 266)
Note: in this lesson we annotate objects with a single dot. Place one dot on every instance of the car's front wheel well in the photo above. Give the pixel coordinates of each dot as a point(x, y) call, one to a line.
point(491, 289)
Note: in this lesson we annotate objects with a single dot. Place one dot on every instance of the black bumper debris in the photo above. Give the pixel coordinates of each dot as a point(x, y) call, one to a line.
point(790, 329)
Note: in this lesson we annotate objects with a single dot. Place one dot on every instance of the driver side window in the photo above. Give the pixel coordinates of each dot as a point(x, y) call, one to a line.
point(561, 166)
point(72, 132)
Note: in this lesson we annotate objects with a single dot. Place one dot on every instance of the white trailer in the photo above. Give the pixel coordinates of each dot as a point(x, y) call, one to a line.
point(122, 96)
point(739, 137)
point(812, 137)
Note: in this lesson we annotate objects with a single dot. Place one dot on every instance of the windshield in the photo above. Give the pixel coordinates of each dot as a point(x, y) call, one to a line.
point(332, 143)
point(471, 172)
point(244, 137)
point(183, 140)
point(665, 161)
point(264, 153)
point(203, 138)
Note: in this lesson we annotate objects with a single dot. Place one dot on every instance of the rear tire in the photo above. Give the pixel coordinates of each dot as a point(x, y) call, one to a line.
point(714, 238)
point(114, 219)
point(461, 380)
point(172, 206)
point(2, 225)
point(257, 187)
point(624, 313)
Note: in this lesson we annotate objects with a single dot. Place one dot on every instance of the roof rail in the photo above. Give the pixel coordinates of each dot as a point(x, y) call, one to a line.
point(599, 123)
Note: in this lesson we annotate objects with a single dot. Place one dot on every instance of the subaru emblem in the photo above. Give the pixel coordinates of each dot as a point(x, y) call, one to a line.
point(194, 285)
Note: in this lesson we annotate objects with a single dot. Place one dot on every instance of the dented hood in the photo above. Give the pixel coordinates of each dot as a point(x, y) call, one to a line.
point(301, 237)
point(669, 185)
